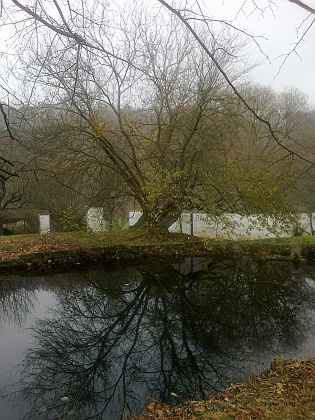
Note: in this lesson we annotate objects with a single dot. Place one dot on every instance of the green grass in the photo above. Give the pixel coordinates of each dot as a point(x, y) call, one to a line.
point(15, 245)
point(74, 239)
point(285, 241)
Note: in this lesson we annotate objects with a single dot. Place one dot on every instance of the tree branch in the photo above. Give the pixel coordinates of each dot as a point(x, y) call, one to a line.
point(7, 125)
point(230, 83)
point(69, 34)
point(303, 5)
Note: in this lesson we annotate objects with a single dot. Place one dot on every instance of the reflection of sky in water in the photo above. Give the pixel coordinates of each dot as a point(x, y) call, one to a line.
point(158, 335)
point(15, 339)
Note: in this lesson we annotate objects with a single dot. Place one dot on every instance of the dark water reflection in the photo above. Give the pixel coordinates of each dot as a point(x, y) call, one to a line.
point(113, 339)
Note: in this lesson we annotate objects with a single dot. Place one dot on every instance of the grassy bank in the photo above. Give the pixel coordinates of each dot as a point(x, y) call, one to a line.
point(285, 391)
point(15, 246)
point(68, 250)
point(75, 240)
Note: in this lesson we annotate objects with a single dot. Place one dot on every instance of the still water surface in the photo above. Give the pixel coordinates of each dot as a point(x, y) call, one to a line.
point(101, 344)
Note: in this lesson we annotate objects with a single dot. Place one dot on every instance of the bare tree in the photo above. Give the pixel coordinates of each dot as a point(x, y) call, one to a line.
point(97, 60)
point(151, 138)
point(185, 12)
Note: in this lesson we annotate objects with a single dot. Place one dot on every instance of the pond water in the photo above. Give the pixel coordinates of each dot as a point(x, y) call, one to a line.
point(101, 344)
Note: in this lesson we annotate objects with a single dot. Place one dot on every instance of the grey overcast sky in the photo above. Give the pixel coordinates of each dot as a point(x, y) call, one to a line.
point(283, 26)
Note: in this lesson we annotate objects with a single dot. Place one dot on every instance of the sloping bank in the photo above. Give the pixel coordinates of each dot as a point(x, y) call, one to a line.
point(56, 258)
point(285, 391)
point(86, 257)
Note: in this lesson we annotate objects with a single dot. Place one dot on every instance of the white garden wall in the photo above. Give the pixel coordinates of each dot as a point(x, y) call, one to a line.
point(44, 223)
point(96, 220)
point(200, 224)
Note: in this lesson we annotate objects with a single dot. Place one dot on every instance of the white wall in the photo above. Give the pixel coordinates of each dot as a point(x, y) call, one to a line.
point(236, 226)
point(44, 223)
point(95, 219)
point(134, 216)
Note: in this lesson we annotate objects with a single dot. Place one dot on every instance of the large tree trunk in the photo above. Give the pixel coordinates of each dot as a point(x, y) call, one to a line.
point(143, 219)
point(162, 221)
point(169, 219)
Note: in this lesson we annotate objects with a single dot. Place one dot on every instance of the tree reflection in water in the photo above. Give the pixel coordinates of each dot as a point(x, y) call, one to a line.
point(17, 297)
point(154, 330)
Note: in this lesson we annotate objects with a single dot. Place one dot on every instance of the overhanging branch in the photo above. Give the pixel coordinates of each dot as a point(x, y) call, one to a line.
point(230, 83)
point(303, 5)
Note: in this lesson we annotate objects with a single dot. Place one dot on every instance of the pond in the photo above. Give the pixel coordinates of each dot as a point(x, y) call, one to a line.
point(101, 344)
